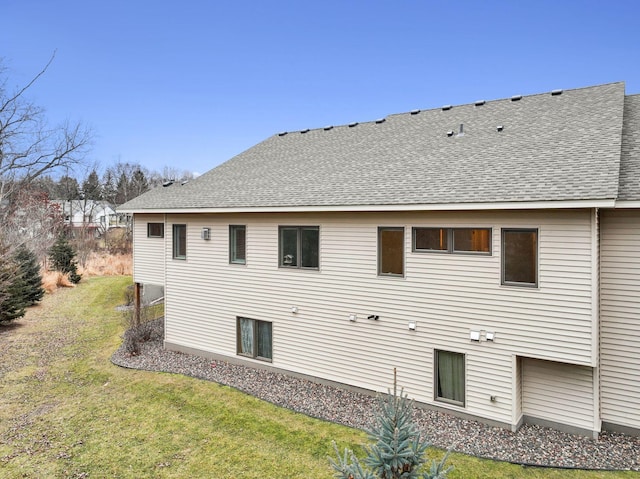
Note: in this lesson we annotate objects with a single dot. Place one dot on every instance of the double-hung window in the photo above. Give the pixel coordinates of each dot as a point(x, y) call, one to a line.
point(520, 257)
point(154, 230)
point(237, 244)
point(452, 240)
point(254, 338)
point(179, 241)
point(390, 251)
point(449, 377)
point(299, 247)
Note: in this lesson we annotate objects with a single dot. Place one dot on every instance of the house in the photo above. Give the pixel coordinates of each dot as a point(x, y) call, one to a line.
point(488, 252)
point(90, 216)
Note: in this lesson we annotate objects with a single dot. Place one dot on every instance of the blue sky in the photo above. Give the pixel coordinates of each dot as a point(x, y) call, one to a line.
point(190, 84)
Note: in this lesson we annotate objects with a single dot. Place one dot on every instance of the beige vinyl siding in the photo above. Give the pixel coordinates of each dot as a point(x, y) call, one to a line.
point(446, 294)
point(560, 393)
point(620, 318)
point(148, 253)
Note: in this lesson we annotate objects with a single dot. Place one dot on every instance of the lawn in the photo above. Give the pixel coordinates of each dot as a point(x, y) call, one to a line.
point(67, 412)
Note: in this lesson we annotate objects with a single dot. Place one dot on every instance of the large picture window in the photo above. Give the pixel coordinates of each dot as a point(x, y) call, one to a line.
point(299, 247)
point(520, 257)
point(155, 230)
point(254, 338)
point(237, 244)
point(452, 240)
point(390, 251)
point(449, 377)
point(179, 241)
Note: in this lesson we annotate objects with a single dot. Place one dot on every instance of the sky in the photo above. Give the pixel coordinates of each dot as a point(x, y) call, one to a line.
point(188, 85)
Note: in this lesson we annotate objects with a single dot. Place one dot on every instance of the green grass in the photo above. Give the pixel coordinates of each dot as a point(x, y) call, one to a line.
point(66, 411)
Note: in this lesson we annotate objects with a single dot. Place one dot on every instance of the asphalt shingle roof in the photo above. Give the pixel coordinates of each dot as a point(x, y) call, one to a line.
point(559, 147)
point(630, 163)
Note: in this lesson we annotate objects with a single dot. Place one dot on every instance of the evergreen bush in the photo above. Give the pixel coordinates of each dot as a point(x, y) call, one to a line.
point(29, 270)
point(398, 449)
point(12, 287)
point(62, 258)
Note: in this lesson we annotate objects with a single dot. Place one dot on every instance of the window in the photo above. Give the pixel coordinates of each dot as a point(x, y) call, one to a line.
point(449, 377)
point(254, 338)
point(452, 240)
point(154, 230)
point(520, 257)
point(299, 246)
point(431, 239)
point(391, 251)
point(237, 244)
point(180, 241)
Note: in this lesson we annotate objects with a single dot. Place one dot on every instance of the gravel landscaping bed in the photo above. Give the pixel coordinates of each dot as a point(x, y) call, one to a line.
point(530, 445)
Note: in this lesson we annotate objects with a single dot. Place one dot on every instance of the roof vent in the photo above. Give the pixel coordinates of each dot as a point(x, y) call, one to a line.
point(167, 183)
point(351, 125)
point(415, 112)
point(380, 120)
point(516, 98)
point(499, 127)
point(461, 131)
point(479, 103)
point(556, 92)
point(450, 133)
point(282, 133)
point(305, 130)
point(328, 127)
point(446, 107)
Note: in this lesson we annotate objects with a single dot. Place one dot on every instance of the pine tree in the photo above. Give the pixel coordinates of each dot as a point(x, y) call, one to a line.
point(11, 291)
point(62, 258)
point(29, 271)
point(122, 189)
point(109, 190)
point(398, 451)
point(68, 188)
point(91, 187)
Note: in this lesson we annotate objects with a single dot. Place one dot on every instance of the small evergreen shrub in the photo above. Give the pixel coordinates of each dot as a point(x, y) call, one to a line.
point(62, 258)
point(398, 449)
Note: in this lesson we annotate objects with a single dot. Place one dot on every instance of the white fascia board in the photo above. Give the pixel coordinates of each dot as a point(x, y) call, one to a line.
point(520, 205)
point(627, 204)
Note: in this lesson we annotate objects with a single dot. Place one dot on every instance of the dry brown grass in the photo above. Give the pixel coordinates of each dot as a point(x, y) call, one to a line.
point(105, 264)
point(52, 280)
point(98, 264)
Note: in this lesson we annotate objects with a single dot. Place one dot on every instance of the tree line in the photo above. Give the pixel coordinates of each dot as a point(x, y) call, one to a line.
point(116, 184)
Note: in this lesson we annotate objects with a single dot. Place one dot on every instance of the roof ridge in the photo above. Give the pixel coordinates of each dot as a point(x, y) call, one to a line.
point(447, 107)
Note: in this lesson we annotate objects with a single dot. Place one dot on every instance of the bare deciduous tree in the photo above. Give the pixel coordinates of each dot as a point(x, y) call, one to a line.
point(29, 147)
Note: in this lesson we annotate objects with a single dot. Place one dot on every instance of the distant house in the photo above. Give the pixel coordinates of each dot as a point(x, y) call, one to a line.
point(490, 252)
point(91, 216)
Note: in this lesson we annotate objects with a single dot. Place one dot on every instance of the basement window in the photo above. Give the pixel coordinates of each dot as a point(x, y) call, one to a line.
point(254, 338)
point(449, 377)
